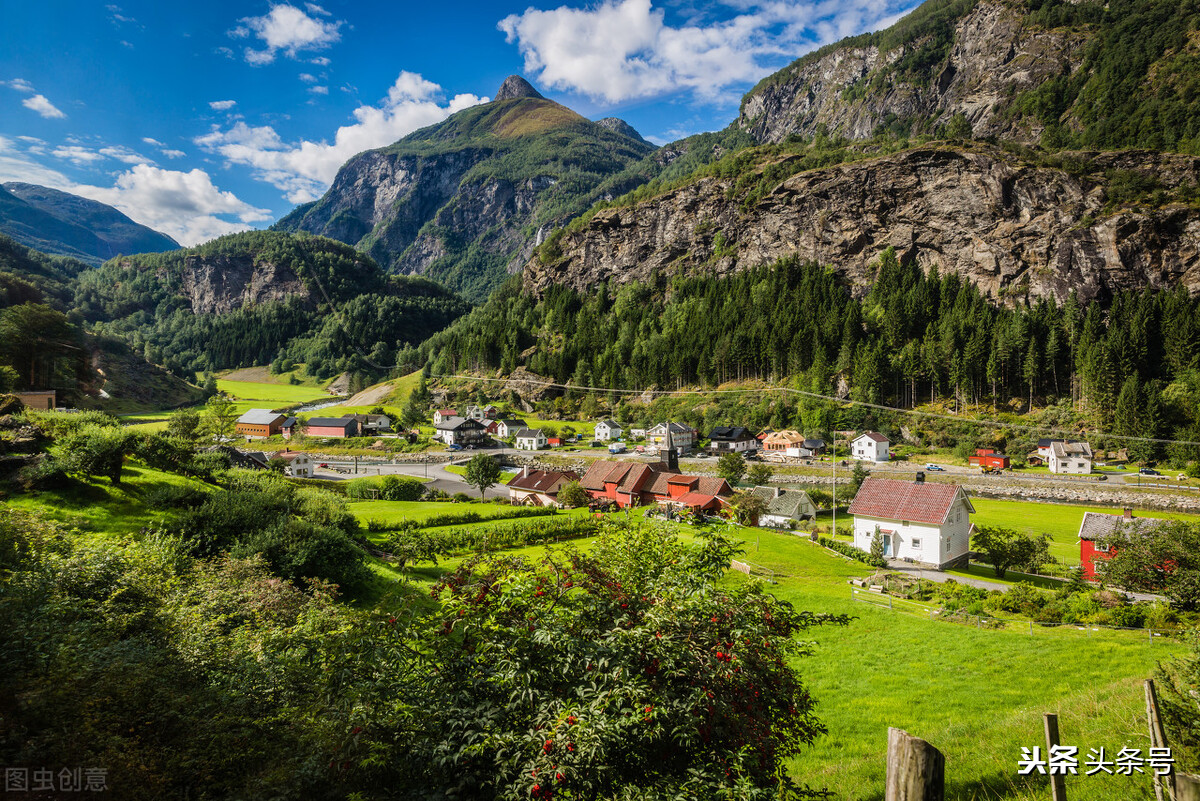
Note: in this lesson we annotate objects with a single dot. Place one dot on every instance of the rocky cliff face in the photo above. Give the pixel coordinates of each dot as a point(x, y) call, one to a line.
point(219, 284)
point(463, 201)
point(852, 91)
point(1012, 227)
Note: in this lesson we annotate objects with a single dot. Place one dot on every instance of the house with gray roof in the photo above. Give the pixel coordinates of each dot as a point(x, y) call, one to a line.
point(785, 507)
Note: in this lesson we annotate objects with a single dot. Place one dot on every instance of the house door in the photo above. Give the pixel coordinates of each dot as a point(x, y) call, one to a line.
point(887, 544)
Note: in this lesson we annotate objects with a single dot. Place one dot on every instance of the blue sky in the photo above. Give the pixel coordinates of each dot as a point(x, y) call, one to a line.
point(201, 119)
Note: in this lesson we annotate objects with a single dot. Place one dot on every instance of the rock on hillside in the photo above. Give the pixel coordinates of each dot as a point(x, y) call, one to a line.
point(466, 200)
point(856, 87)
point(1011, 226)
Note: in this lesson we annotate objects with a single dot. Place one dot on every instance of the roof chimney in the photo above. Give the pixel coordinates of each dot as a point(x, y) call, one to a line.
point(525, 471)
point(778, 491)
point(1128, 510)
point(920, 477)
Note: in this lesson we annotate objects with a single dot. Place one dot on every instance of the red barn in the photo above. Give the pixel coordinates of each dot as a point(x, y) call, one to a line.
point(1096, 526)
point(333, 427)
point(988, 457)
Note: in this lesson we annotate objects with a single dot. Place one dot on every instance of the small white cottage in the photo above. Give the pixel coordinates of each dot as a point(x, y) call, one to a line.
point(608, 430)
point(928, 523)
point(870, 446)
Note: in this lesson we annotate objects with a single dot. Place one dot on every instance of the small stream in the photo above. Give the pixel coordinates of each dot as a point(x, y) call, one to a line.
point(323, 404)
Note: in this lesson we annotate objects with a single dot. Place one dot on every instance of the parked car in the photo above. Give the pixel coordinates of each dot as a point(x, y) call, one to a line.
point(937, 468)
point(323, 464)
point(455, 447)
point(1146, 471)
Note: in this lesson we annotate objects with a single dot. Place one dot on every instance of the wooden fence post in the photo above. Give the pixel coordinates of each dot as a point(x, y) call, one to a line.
point(916, 771)
point(1058, 782)
point(1158, 739)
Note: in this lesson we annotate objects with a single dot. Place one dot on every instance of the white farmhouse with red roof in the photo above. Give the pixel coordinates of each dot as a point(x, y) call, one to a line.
point(928, 523)
point(870, 446)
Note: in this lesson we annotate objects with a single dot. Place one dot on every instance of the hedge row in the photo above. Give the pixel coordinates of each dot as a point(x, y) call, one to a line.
point(854, 553)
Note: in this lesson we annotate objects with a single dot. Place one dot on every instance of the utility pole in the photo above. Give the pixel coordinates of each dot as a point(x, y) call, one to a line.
point(833, 534)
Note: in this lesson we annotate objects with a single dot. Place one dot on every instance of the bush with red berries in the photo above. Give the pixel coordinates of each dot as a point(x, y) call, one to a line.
point(632, 668)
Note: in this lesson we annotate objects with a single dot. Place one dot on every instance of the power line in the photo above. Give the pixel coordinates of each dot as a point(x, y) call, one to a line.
point(828, 398)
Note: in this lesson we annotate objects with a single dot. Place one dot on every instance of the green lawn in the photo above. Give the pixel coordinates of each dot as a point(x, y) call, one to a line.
point(389, 512)
point(1060, 521)
point(274, 394)
point(461, 470)
point(976, 695)
point(96, 506)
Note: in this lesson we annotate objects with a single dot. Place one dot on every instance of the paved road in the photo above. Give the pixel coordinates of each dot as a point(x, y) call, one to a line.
point(440, 478)
point(940, 577)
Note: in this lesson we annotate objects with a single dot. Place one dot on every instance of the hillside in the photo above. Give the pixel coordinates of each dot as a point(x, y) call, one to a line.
point(250, 298)
point(1016, 223)
point(29, 276)
point(63, 224)
point(465, 201)
point(1060, 73)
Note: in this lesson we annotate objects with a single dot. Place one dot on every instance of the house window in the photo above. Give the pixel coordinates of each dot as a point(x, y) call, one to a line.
point(1102, 548)
point(916, 543)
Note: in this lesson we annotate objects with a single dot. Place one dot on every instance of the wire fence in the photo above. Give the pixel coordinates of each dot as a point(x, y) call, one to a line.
point(881, 600)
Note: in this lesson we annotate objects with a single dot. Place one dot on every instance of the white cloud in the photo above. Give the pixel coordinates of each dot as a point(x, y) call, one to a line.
point(152, 141)
point(125, 154)
point(163, 148)
point(313, 8)
point(20, 84)
point(174, 154)
point(320, 61)
point(307, 78)
point(76, 154)
point(303, 170)
point(623, 49)
point(286, 29)
point(319, 90)
point(222, 105)
point(185, 205)
point(42, 106)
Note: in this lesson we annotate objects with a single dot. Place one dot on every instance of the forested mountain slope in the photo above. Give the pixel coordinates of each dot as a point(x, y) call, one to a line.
point(1062, 73)
point(247, 299)
point(465, 200)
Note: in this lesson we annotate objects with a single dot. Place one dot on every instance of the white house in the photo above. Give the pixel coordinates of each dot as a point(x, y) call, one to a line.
point(870, 446)
point(927, 523)
point(785, 507)
point(443, 414)
point(531, 440)
point(475, 413)
point(738, 439)
point(1070, 457)
point(507, 427)
point(608, 429)
point(460, 431)
point(681, 436)
point(299, 465)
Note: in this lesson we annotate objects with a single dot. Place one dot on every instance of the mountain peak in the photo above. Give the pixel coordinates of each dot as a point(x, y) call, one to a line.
point(515, 86)
point(618, 125)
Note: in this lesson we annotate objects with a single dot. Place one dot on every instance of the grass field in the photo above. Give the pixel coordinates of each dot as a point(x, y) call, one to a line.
point(461, 470)
point(1060, 521)
point(977, 695)
point(96, 506)
point(275, 394)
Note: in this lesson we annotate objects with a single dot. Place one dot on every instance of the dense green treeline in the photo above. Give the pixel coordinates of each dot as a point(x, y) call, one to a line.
point(1132, 364)
point(349, 316)
point(29, 276)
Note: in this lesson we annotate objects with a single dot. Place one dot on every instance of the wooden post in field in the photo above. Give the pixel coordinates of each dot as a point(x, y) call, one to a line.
point(1058, 782)
point(916, 771)
point(1164, 786)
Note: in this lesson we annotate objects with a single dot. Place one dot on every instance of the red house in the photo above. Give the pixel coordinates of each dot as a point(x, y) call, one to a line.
point(631, 484)
point(1096, 526)
point(988, 457)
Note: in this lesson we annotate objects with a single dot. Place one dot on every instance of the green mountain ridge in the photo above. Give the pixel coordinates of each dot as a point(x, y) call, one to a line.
point(60, 223)
point(464, 201)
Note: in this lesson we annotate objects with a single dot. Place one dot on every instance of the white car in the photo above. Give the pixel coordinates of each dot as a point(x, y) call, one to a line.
point(937, 468)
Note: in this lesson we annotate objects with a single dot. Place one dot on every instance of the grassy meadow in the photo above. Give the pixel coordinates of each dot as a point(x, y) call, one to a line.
point(978, 695)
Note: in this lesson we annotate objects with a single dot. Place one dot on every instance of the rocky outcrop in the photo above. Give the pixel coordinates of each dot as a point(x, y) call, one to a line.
point(853, 90)
point(218, 284)
point(1012, 227)
point(515, 86)
point(618, 125)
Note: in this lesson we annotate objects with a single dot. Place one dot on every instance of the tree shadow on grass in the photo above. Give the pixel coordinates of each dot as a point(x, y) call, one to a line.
point(998, 785)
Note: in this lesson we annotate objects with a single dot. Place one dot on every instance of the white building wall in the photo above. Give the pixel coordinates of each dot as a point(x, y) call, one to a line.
point(937, 544)
point(1079, 465)
point(604, 433)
